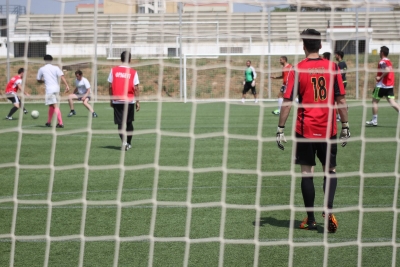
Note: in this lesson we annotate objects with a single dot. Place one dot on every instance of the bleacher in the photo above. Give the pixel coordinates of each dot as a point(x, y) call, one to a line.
point(164, 28)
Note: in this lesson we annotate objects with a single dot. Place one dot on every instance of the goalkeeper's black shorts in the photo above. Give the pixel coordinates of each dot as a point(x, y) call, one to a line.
point(119, 110)
point(247, 87)
point(306, 150)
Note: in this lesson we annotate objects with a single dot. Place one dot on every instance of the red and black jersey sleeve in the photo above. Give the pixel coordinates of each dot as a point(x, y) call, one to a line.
point(316, 82)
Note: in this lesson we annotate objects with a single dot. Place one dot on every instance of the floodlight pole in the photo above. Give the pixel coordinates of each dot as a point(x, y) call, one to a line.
point(269, 51)
point(8, 39)
point(357, 83)
point(96, 7)
point(180, 51)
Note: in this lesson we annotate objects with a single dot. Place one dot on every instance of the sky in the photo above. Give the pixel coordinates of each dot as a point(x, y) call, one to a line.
point(54, 6)
point(48, 6)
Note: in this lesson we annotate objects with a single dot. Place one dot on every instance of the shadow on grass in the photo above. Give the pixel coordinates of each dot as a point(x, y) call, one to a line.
point(382, 126)
point(112, 147)
point(284, 223)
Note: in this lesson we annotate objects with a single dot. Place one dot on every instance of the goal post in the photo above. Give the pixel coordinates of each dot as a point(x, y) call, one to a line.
point(219, 77)
point(203, 182)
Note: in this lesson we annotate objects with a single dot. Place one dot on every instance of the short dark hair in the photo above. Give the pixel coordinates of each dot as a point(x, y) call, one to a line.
point(48, 58)
point(123, 57)
point(340, 54)
point(21, 70)
point(311, 40)
point(284, 58)
point(79, 72)
point(327, 55)
point(385, 50)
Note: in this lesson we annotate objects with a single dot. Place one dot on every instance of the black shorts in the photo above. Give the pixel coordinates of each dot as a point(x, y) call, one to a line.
point(283, 88)
point(247, 87)
point(378, 93)
point(306, 151)
point(13, 98)
point(119, 113)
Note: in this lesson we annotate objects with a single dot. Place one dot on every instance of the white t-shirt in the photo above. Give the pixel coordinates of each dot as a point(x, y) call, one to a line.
point(83, 85)
point(50, 74)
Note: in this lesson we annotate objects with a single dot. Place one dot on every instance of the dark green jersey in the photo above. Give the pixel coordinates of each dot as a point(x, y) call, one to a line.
point(250, 74)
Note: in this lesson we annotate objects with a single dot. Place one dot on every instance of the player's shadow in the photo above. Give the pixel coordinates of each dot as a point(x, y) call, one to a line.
point(282, 223)
point(43, 126)
point(382, 126)
point(112, 147)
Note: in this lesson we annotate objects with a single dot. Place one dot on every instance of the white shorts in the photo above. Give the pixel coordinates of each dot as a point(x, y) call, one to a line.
point(51, 98)
point(13, 97)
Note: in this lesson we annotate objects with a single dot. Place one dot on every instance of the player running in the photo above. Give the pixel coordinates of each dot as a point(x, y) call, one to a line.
point(12, 88)
point(81, 93)
point(318, 84)
point(285, 70)
point(384, 86)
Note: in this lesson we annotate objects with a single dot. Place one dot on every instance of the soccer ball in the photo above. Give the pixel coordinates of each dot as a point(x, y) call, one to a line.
point(35, 114)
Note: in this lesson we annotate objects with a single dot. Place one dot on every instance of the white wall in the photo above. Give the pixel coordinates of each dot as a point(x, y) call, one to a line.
point(394, 47)
point(76, 50)
point(3, 40)
point(281, 48)
point(277, 48)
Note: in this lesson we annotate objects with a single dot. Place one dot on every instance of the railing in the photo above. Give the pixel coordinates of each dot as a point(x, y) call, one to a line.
point(13, 9)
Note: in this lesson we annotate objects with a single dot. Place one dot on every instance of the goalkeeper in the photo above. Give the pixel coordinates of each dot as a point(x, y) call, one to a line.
point(318, 84)
point(249, 82)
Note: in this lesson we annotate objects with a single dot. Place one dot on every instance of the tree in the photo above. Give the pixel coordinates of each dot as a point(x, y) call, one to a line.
point(283, 9)
point(293, 8)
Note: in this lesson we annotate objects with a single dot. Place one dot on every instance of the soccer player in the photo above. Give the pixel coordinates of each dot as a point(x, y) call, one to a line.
point(384, 86)
point(326, 55)
point(81, 93)
point(249, 82)
point(12, 88)
point(343, 68)
point(285, 70)
point(124, 91)
point(318, 84)
point(49, 75)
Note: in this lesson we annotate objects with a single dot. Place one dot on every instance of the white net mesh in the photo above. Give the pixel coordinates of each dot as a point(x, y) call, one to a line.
point(204, 184)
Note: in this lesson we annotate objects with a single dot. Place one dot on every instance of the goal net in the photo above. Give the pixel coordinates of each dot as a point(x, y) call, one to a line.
point(204, 183)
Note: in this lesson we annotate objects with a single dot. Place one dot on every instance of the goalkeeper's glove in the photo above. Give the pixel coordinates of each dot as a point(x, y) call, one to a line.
point(280, 137)
point(253, 83)
point(345, 133)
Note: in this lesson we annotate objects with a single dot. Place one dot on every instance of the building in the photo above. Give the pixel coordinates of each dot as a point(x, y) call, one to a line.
point(141, 7)
point(217, 7)
point(89, 9)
